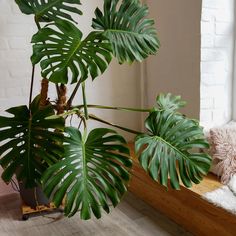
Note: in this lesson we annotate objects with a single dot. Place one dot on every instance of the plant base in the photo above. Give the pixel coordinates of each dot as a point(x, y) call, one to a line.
point(33, 197)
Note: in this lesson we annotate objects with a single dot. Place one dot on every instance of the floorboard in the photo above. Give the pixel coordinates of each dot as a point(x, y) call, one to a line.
point(132, 217)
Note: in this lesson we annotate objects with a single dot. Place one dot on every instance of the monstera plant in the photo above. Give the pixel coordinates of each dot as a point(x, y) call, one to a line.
point(89, 171)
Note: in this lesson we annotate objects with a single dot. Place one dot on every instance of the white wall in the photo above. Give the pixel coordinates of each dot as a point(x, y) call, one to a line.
point(234, 77)
point(177, 67)
point(217, 61)
point(119, 86)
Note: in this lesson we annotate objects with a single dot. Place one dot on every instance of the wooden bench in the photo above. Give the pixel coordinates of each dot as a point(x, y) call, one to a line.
point(186, 207)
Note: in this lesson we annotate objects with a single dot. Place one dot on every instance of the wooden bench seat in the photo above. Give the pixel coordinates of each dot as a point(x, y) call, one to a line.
point(186, 207)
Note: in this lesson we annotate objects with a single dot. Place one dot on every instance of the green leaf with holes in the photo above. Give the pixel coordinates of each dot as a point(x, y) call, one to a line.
point(171, 148)
point(124, 23)
point(169, 102)
point(28, 143)
point(93, 173)
point(50, 10)
point(65, 53)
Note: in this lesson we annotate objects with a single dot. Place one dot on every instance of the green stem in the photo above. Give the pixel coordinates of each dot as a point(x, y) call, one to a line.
point(85, 101)
point(70, 100)
point(39, 28)
point(115, 108)
point(32, 76)
point(37, 23)
point(93, 117)
point(31, 85)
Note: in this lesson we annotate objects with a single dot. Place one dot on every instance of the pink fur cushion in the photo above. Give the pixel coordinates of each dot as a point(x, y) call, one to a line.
point(223, 151)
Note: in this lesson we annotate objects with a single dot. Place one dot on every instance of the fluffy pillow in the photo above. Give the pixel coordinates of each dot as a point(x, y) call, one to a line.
point(232, 184)
point(223, 151)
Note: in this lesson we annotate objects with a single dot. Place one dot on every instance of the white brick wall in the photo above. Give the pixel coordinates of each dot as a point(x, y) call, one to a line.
point(15, 35)
point(15, 50)
point(217, 59)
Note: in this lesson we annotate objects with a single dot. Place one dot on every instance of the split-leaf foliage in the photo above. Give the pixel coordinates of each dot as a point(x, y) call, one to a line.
point(89, 171)
point(30, 143)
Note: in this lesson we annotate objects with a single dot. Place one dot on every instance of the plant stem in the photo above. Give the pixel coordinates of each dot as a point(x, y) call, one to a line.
point(61, 102)
point(32, 76)
point(57, 89)
point(44, 93)
point(85, 102)
point(32, 84)
point(37, 23)
point(115, 108)
point(69, 102)
point(39, 28)
point(93, 117)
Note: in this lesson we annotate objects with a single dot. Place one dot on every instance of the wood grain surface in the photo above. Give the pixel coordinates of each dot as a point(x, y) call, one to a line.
point(186, 207)
point(132, 217)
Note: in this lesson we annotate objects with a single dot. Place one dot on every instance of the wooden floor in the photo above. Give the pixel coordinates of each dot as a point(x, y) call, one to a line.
point(132, 218)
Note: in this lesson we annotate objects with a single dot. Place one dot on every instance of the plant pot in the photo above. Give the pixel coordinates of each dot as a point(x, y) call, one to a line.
point(33, 197)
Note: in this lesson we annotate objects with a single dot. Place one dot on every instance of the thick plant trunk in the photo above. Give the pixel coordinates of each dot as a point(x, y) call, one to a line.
point(61, 102)
point(44, 93)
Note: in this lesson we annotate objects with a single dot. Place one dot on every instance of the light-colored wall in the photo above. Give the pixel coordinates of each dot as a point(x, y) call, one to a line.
point(234, 78)
point(177, 67)
point(119, 86)
point(217, 61)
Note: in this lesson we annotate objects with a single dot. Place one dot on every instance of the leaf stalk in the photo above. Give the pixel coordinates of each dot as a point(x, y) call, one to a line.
point(85, 101)
point(148, 110)
point(93, 117)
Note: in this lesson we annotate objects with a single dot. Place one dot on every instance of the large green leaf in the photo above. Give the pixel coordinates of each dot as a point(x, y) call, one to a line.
point(47, 10)
point(28, 143)
point(65, 53)
point(170, 150)
point(169, 102)
point(131, 34)
point(92, 174)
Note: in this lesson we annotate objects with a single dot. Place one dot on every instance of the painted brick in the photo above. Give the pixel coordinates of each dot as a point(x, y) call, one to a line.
point(18, 43)
point(3, 74)
point(214, 4)
point(207, 103)
point(224, 28)
point(224, 15)
point(19, 30)
point(219, 101)
point(19, 72)
point(212, 91)
point(212, 55)
point(206, 115)
point(5, 7)
point(13, 92)
point(207, 41)
point(222, 41)
point(207, 27)
point(217, 42)
point(3, 44)
point(218, 15)
point(16, 55)
point(2, 93)
point(216, 67)
point(208, 14)
point(20, 19)
point(213, 79)
point(219, 116)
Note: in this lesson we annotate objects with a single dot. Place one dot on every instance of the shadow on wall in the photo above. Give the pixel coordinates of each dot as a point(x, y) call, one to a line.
point(177, 67)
